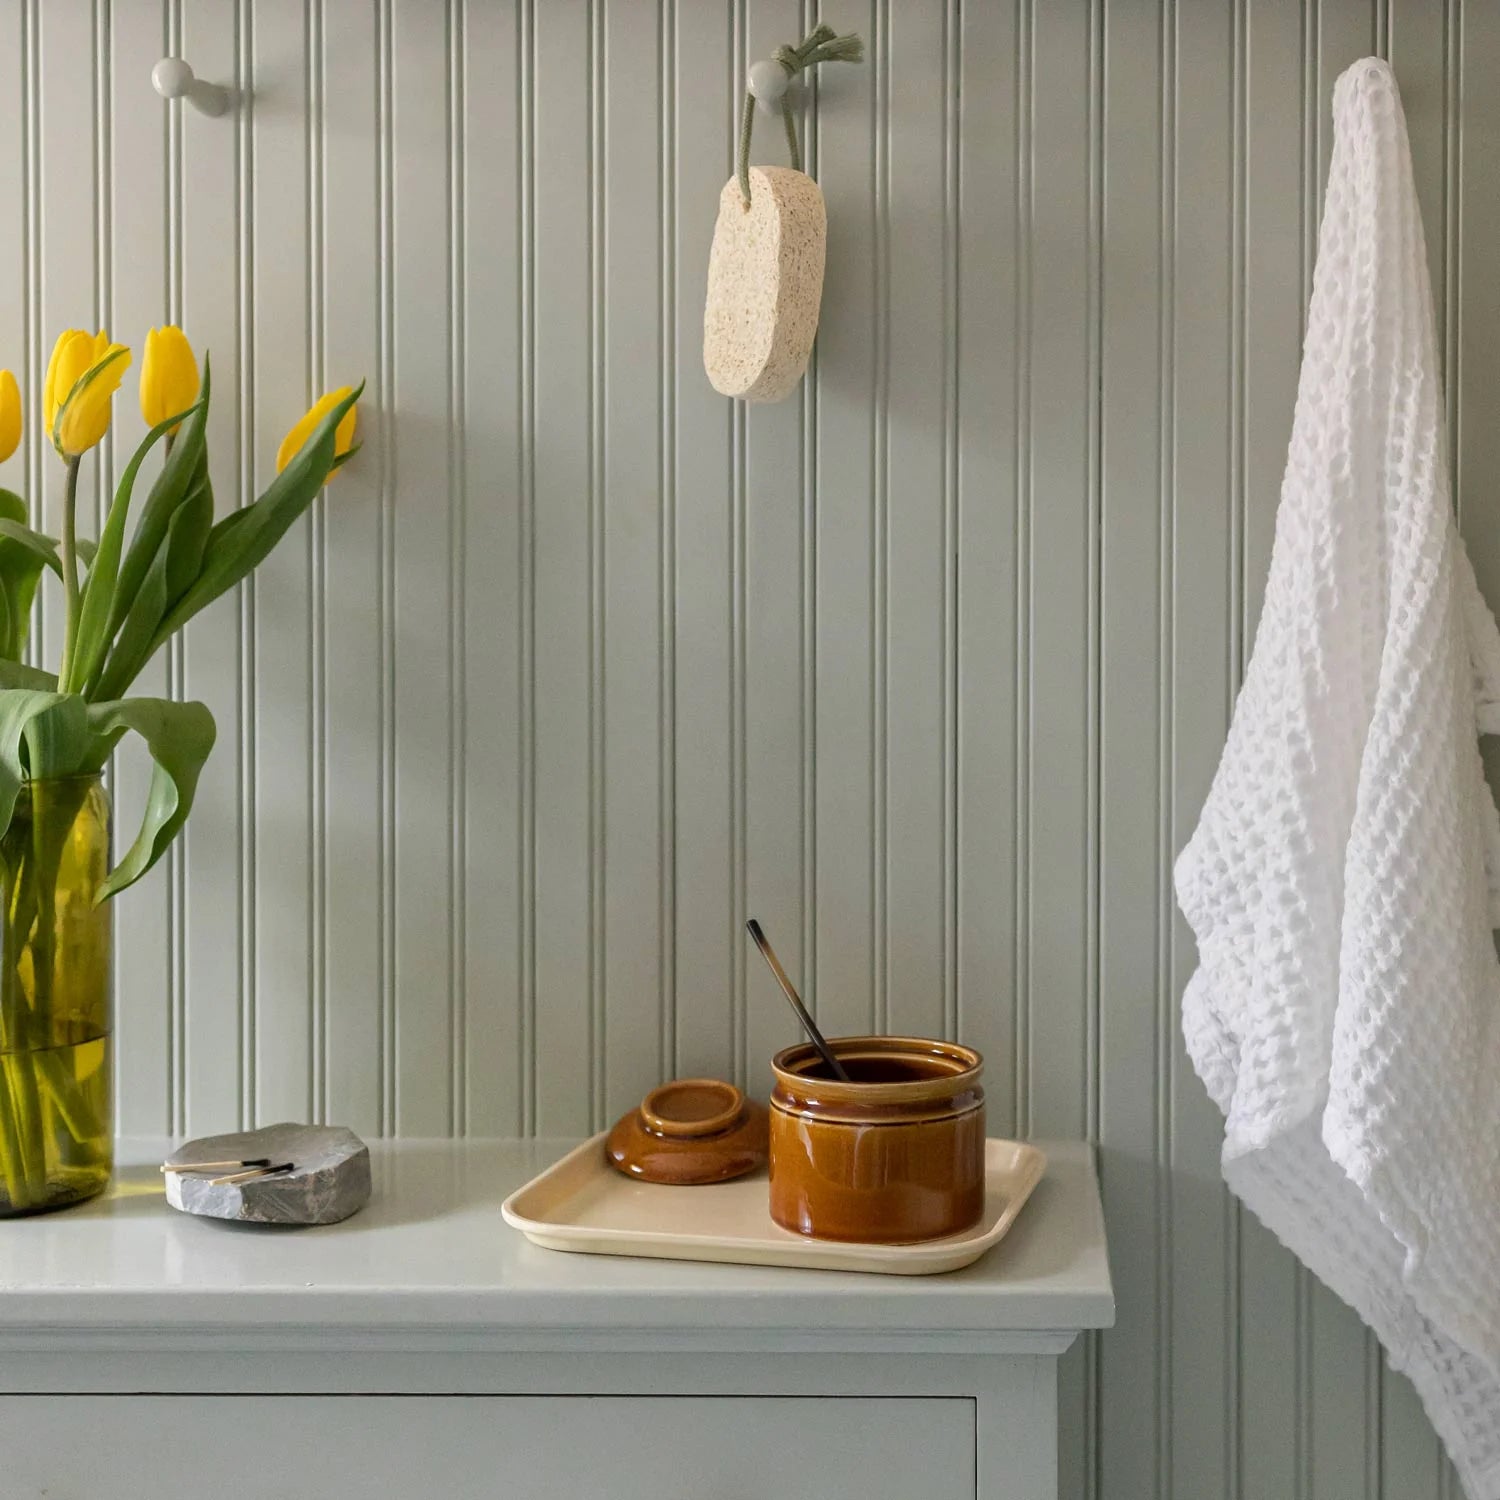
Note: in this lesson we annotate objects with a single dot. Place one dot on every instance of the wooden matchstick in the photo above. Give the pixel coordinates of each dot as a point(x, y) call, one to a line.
point(213, 1166)
point(234, 1177)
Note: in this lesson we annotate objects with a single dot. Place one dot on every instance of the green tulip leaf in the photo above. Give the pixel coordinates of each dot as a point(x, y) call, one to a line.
point(180, 737)
point(187, 539)
point(223, 530)
point(18, 708)
point(57, 738)
point(20, 569)
point(173, 568)
point(44, 548)
point(130, 651)
point(23, 555)
point(185, 465)
point(240, 542)
point(97, 608)
point(19, 572)
point(342, 458)
point(16, 674)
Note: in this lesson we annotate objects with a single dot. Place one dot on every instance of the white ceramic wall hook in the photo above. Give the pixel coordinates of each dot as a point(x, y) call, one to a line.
point(172, 78)
point(768, 81)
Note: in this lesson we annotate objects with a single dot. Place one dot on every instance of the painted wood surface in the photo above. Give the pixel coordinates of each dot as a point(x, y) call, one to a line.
point(578, 664)
point(429, 1265)
point(388, 1447)
point(938, 1424)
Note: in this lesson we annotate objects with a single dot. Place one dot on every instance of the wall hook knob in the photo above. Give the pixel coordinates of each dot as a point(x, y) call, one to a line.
point(172, 78)
point(769, 82)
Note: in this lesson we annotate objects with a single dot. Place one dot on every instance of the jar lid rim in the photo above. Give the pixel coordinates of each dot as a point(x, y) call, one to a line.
point(966, 1063)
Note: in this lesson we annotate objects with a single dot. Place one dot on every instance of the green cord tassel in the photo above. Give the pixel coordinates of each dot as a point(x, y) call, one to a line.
point(822, 44)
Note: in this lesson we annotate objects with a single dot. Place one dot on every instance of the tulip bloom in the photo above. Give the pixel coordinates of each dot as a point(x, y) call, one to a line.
point(169, 375)
point(343, 437)
point(82, 376)
point(10, 415)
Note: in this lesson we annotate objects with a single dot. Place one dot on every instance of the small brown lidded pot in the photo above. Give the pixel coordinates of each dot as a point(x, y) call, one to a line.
point(894, 1156)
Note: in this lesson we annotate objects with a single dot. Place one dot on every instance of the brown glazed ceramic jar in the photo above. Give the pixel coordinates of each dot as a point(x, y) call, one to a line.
point(892, 1157)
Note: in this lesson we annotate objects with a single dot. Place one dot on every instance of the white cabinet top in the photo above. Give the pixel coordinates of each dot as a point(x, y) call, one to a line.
point(431, 1264)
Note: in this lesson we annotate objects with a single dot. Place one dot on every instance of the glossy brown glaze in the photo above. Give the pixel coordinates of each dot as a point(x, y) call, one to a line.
point(892, 1157)
point(689, 1132)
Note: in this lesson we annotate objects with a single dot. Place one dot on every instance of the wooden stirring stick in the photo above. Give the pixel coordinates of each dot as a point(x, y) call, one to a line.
point(810, 1026)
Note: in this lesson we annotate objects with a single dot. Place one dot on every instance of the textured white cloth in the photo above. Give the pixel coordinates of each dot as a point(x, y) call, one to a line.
point(1345, 1014)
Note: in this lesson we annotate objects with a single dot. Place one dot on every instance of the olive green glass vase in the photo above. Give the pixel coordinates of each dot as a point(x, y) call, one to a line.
point(56, 1126)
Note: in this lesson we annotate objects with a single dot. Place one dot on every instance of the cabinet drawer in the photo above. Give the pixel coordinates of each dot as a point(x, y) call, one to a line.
point(468, 1447)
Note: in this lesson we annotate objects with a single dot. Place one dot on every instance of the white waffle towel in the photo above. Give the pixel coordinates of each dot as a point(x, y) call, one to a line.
point(1345, 1014)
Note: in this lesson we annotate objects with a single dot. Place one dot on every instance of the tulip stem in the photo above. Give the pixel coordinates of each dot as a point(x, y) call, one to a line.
point(70, 574)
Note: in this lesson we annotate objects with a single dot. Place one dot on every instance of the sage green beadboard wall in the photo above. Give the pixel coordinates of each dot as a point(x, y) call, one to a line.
point(927, 667)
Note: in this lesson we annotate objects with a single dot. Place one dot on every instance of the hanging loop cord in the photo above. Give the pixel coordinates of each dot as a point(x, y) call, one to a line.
point(820, 45)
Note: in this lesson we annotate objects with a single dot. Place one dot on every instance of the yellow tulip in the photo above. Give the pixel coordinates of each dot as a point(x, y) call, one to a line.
point(82, 376)
point(169, 375)
point(65, 344)
point(10, 415)
point(343, 437)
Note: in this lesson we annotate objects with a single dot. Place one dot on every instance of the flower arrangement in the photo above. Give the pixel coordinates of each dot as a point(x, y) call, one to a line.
point(124, 599)
point(124, 602)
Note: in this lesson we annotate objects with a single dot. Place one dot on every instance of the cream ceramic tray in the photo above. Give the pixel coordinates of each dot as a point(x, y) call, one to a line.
point(583, 1204)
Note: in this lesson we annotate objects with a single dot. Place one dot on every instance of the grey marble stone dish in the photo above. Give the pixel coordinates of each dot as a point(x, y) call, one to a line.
point(329, 1180)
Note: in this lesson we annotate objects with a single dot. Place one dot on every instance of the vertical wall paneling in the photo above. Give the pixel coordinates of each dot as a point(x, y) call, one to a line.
point(563, 43)
point(598, 228)
point(422, 336)
point(1477, 364)
point(844, 729)
point(317, 538)
point(1417, 45)
point(776, 883)
point(739, 836)
point(808, 707)
point(1131, 733)
point(1061, 410)
point(578, 664)
point(915, 727)
point(699, 94)
point(526, 245)
point(69, 275)
point(631, 510)
point(215, 1043)
point(281, 698)
point(491, 564)
point(1203, 379)
point(457, 581)
point(992, 257)
point(1062, 413)
point(348, 589)
point(141, 296)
